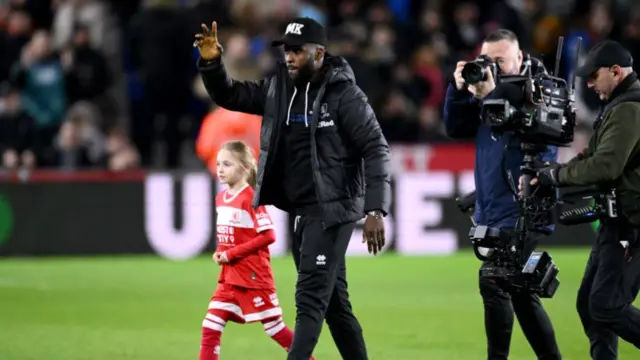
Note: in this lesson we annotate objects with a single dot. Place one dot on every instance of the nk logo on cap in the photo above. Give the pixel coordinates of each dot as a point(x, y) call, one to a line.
point(294, 28)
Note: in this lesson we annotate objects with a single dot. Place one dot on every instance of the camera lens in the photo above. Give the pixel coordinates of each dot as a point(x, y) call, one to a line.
point(473, 73)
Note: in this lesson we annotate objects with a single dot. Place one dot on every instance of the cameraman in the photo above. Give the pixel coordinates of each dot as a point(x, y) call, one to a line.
point(611, 161)
point(496, 205)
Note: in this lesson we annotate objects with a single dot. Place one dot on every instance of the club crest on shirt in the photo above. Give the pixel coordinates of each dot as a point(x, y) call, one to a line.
point(236, 217)
point(324, 111)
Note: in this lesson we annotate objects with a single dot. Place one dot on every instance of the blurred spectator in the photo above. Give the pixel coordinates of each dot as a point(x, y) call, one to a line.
point(545, 34)
point(41, 79)
point(430, 31)
point(100, 30)
point(238, 60)
point(87, 74)
point(222, 125)
point(203, 10)
point(368, 79)
point(381, 52)
point(122, 154)
point(245, 12)
point(161, 45)
point(378, 13)
point(41, 11)
point(401, 52)
point(397, 118)
point(428, 81)
point(80, 143)
point(428, 89)
point(431, 127)
point(464, 34)
point(13, 38)
point(632, 37)
point(348, 21)
point(17, 131)
point(91, 13)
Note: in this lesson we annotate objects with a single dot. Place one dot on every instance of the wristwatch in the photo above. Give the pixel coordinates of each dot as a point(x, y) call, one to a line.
point(375, 213)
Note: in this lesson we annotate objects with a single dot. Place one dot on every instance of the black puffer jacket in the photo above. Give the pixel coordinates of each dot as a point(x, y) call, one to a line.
point(349, 154)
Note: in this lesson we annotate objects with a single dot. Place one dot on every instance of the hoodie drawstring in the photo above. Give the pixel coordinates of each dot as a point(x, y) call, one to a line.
point(295, 91)
point(306, 104)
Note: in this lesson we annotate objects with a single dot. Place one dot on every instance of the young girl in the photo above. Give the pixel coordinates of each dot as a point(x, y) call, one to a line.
point(246, 291)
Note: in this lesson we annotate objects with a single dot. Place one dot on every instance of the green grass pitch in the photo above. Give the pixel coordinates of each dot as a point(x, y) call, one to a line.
point(119, 308)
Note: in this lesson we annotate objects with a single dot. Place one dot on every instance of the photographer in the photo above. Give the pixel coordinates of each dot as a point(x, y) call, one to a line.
point(611, 161)
point(496, 205)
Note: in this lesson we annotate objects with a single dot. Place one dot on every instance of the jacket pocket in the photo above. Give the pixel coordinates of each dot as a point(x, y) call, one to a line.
point(335, 185)
point(354, 177)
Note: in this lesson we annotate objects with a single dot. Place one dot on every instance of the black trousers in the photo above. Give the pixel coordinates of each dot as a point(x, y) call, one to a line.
point(501, 303)
point(610, 285)
point(321, 290)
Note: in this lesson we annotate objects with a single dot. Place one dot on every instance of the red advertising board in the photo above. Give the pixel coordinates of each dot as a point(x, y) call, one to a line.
point(173, 214)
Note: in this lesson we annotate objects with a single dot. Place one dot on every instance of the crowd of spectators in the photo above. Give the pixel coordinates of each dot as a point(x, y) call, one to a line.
point(113, 84)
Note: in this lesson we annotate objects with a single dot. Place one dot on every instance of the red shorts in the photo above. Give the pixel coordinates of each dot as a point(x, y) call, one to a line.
point(246, 305)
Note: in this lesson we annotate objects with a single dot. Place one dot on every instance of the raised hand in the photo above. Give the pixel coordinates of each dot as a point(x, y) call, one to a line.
point(207, 42)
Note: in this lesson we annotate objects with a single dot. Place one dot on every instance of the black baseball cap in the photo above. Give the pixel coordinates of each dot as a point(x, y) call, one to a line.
point(302, 31)
point(604, 55)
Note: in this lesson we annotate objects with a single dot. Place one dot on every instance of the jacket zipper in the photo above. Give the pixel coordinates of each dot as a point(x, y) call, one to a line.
point(315, 164)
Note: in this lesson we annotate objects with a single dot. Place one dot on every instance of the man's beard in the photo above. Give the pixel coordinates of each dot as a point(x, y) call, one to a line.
point(305, 73)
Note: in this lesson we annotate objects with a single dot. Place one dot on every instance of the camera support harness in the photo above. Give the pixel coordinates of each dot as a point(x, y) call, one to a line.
point(531, 152)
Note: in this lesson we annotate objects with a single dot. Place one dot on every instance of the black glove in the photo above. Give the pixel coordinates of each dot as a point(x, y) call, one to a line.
point(548, 175)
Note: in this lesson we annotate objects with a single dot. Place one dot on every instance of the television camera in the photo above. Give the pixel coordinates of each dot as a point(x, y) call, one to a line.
point(538, 110)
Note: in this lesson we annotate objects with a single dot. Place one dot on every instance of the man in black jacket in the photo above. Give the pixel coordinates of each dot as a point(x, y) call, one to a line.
point(323, 159)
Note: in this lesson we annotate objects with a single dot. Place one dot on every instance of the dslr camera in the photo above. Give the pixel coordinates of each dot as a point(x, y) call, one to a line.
point(476, 71)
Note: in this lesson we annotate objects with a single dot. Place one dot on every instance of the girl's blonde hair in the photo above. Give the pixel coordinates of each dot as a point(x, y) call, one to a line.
point(244, 154)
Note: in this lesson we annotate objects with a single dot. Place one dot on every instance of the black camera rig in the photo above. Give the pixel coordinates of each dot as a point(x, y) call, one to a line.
point(539, 110)
point(510, 263)
point(602, 205)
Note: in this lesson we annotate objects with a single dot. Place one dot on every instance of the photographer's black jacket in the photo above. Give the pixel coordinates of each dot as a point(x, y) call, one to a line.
point(349, 154)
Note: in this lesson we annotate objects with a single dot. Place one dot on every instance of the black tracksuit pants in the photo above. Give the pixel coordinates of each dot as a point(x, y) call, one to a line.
point(500, 304)
point(321, 290)
point(610, 285)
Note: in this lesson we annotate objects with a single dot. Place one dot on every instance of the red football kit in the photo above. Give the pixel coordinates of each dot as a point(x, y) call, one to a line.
point(245, 287)
point(246, 290)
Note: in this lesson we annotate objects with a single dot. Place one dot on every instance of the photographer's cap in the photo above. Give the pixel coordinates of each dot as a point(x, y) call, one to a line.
point(605, 55)
point(302, 31)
